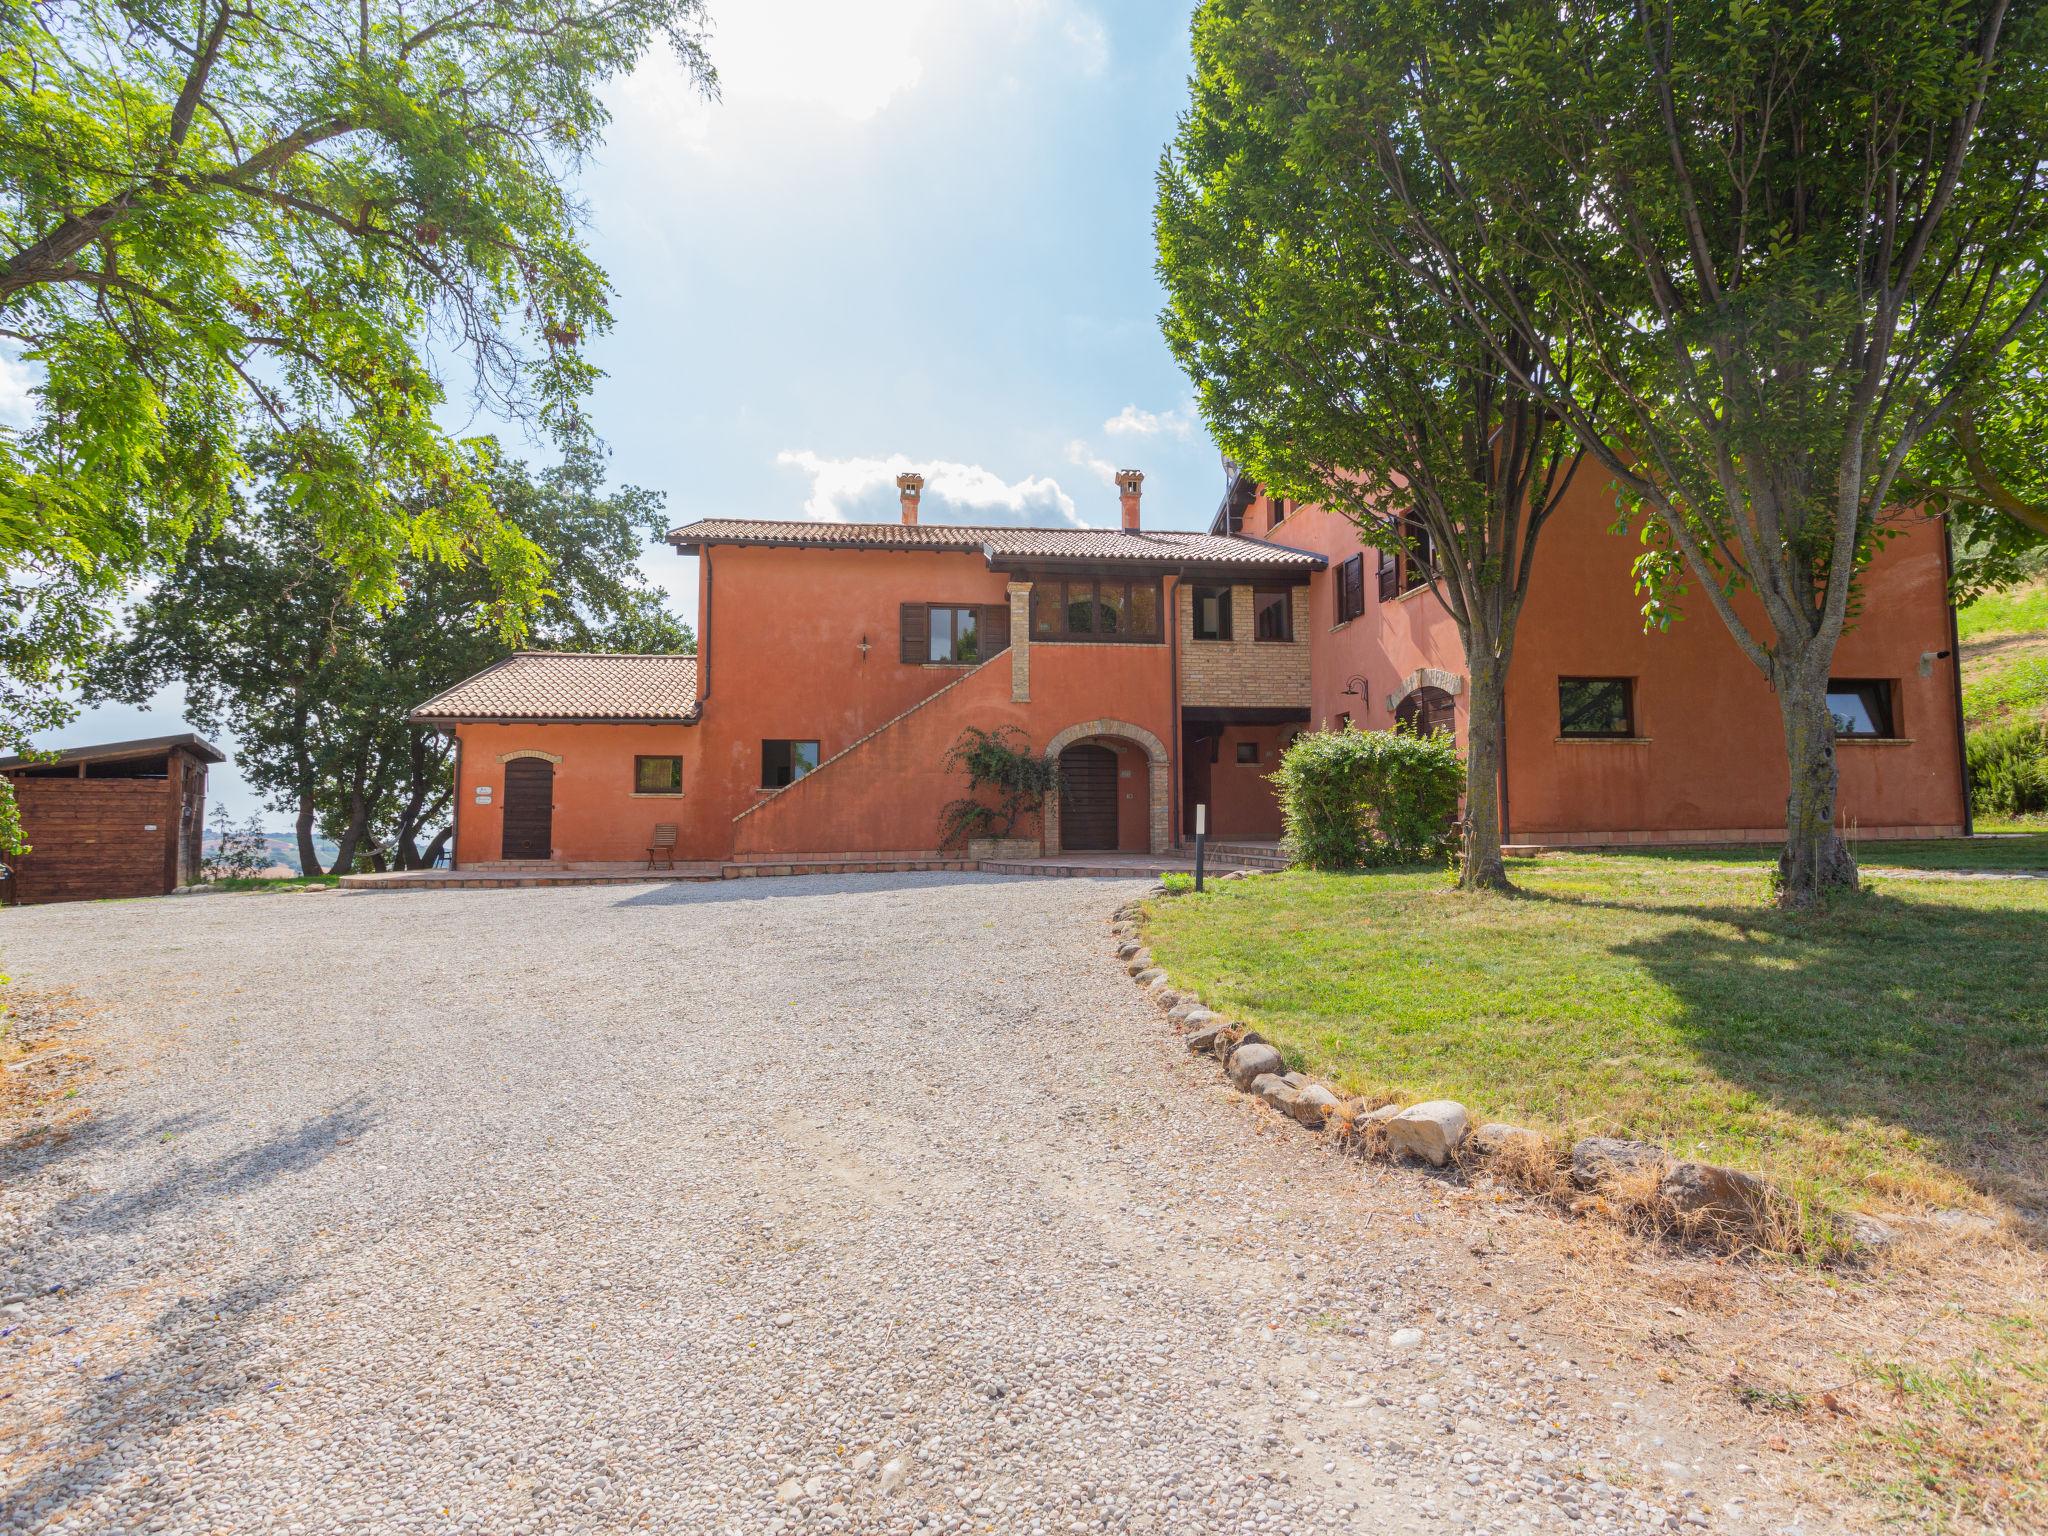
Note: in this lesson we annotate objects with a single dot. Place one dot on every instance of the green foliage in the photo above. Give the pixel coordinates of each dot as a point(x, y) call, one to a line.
point(1787, 238)
point(2018, 689)
point(1005, 782)
point(1353, 799)
point(270, 641)
point(1177, 882)
point(239, 852)
point(288, 223)
point(2009, 768)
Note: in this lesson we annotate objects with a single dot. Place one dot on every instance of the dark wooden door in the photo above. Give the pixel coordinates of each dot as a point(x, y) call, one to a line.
point(529, 808)
point(1087, 798)
point(1197, 756)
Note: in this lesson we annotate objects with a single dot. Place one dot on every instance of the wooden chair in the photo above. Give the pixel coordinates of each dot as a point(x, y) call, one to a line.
point(663, 846)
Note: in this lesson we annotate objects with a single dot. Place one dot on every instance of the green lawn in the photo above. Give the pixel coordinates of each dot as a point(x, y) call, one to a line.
point(2026, 853)
point(2022, 610)
point(1890, 1050)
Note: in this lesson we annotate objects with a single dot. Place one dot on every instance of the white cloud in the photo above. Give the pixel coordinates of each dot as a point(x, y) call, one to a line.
point(1079, 453)
point(838, 63)
point(1133, 421)
point(17, 405)
point(842, 487)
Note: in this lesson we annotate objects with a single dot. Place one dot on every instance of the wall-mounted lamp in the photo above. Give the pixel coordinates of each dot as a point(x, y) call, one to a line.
point(1354, 688)
point(1928, 659)
point(863, 647)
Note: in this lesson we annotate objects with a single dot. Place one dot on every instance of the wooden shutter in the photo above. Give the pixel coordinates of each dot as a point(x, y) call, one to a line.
point(916, 634)
point(995, 629)
point(1390, 575)
point(1351, 588)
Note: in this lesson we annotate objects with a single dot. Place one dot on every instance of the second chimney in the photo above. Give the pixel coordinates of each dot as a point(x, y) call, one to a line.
point(1128, 483)
point(909, 487)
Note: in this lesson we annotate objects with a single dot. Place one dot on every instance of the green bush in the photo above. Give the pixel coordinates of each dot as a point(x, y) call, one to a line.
point(2009, 768)
point(1355, 798)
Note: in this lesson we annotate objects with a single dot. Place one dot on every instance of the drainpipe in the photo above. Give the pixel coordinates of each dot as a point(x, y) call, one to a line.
point(455, 816)
point(704, 634)
point(1506, 827)
point(1955, 670)
point(1173, 777)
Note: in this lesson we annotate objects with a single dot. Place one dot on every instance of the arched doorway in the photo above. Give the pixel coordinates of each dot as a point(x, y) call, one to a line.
point(529, 808)
point(1427, 710)
point(1088, 785)
point(1143, 770)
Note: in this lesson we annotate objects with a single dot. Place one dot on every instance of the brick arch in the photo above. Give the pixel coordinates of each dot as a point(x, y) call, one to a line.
point(1425, 677)
point(552, 757)
point(1157, 836)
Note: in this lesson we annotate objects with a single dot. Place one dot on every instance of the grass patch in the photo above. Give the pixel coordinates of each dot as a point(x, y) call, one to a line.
point(1955, 855)
point(2017, 611)
point(1890, 1050)
point(260, 883)
point(1966, 1439)
point(2009, 688)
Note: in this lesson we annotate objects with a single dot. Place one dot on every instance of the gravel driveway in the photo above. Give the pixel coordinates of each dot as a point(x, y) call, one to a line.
point(877, 1203)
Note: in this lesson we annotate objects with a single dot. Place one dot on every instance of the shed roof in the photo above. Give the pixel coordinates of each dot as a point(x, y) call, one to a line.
point(114, 751)
point(572, 686)
point(1012, 546)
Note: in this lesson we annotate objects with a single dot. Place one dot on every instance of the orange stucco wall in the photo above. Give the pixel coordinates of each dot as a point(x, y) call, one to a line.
point(1712, 759)
point(597, 814)
point(886, 796)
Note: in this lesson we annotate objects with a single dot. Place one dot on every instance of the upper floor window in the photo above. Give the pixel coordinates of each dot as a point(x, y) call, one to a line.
point(1351, 589)
point(1595, 706)
point(1212, 613)
point(1273, 615)
point(657, 775)
point(1862, 706)
point(784, 762)
point(1419, 555)
point(953, 634)
point(1094, 608)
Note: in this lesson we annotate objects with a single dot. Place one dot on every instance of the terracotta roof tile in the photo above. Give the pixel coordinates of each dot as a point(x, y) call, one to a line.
point(572, 685)
point(1007, 544)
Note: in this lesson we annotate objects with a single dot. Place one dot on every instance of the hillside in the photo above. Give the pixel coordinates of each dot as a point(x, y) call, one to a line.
point(284, 850)
point(2005, 654)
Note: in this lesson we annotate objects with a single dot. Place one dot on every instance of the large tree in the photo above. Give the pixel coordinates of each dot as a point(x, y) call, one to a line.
point(300, 220)
point(271, 641)
point(1792, 237)
point(1326, 369)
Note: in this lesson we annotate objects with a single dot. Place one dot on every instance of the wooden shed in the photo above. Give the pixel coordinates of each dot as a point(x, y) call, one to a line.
point(121, 819)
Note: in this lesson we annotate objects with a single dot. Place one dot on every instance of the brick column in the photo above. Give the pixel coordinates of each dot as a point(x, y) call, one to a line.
point(1020, 642)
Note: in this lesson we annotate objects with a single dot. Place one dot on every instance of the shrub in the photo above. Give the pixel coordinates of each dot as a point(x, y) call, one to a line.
point(1005, 782)
point(1354, 798)
point(2009, 768)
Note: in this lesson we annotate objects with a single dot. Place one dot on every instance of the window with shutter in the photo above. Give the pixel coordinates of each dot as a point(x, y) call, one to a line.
point(1390, 575)
point(1351, 589)
point(916, 633)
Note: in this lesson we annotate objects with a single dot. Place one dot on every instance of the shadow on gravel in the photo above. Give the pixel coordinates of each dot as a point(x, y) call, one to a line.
point(179, 1185)
point(782, 887)
point(192, 1358)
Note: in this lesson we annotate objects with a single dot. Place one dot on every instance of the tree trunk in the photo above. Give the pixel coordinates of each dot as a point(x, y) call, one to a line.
point(1485, 742)
point(432, 856)
point(309, 856)
point(1815, 860)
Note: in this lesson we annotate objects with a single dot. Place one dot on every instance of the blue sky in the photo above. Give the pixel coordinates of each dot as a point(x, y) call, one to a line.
point(912, 233)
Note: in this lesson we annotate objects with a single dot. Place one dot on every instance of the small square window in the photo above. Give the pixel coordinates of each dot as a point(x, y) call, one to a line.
point(1273, 615)
point(1247, 751)
point(1212, 613)
point(1595, 706)
point(657, 775)
point(784, 762)
point(1862, 706)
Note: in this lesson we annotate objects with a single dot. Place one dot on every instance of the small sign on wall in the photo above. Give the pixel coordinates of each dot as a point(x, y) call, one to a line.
point(483, 794)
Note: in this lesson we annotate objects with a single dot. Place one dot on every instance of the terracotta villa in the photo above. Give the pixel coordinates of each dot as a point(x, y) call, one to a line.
point(1165, 669)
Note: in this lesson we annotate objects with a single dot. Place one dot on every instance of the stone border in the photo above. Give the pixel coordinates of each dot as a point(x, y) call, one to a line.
point(1636, 1182)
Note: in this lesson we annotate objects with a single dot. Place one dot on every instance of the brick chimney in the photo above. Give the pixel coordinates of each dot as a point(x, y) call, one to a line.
point(909, 487)
point(1128, 483)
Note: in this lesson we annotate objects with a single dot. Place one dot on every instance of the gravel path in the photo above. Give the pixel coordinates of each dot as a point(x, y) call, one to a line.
point(878, 1203)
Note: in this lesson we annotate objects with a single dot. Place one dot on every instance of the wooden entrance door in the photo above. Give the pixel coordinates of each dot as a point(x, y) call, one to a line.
point(529, 808)
point(1087, 798)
